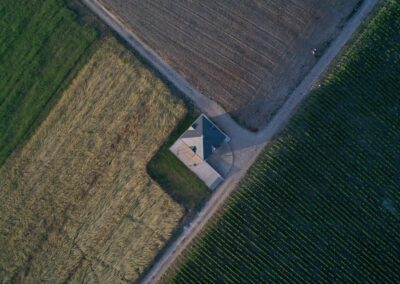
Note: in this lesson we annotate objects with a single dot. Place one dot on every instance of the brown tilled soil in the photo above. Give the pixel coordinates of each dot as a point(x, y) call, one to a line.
point(246, 55)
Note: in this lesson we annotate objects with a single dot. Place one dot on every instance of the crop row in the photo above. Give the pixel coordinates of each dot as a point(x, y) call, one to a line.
point(323, 203)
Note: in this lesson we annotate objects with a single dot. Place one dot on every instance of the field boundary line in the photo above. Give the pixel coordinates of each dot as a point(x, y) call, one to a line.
point(206, 105)
point(246, 145)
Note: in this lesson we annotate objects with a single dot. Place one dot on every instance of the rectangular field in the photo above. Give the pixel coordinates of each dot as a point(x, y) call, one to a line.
point(322, 205)
point(40, 44)
point(246, 55)
point(76, 202)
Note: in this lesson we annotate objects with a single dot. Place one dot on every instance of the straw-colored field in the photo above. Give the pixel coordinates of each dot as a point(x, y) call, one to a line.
point(76, 202)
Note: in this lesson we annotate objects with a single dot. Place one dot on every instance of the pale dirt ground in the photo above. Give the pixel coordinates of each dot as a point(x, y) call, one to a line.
point(76, 202)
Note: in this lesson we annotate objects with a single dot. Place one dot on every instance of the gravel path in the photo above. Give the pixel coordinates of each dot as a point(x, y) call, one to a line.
point(246, 146)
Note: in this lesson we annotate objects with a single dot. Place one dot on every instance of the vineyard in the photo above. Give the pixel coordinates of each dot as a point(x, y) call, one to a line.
point(41, 44)
point(241, 55)
point(322, 204)
point(77, 205)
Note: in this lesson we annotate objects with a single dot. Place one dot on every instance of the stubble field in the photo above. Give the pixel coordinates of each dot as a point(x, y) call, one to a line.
point(77, 203)
point(246, 55)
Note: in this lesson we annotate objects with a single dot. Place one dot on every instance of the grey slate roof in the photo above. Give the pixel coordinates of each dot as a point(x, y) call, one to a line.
point(203, 137)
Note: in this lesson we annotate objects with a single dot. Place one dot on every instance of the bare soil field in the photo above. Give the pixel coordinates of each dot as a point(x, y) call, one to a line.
point(246, 55)
point(76, 202)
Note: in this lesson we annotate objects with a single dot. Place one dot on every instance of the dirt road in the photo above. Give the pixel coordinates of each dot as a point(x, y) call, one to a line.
point(246, 146)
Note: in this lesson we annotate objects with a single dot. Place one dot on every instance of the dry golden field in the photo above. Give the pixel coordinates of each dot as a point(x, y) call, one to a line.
point(76, 202)
point(246, 55)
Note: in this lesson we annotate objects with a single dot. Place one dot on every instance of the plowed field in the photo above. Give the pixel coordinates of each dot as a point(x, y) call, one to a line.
point(246, 55)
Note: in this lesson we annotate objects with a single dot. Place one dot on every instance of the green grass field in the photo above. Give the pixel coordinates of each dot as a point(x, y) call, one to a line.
point(174, 177)
point(322, 205)
point(40, 44)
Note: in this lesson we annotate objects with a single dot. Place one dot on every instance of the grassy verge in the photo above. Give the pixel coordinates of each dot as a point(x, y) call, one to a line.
point(40, 46)
point(322, 205)
point(174, 177)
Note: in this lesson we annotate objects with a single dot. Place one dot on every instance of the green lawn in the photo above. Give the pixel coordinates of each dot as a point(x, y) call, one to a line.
point(174, 176)
point(322, 205)
point(41, 42)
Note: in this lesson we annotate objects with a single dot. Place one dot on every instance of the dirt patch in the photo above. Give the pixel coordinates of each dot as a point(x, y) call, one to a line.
point(246, 56)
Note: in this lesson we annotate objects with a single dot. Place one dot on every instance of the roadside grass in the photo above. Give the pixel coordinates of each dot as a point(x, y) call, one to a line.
point(174, 177)
point(41, 44)
point(77, 202)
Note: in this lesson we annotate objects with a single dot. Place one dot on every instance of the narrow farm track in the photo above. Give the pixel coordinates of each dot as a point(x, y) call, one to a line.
point(246, 146)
